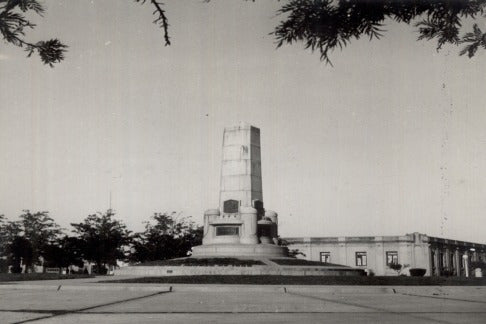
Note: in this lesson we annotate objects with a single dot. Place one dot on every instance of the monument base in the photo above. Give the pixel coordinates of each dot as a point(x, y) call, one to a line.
point(257, 266)
point(240, 250)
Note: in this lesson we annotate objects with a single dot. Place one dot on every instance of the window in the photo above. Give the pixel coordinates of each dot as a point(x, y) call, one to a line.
point(391, 257)
point(361, 259)
point(227, 230)
point(326, 257)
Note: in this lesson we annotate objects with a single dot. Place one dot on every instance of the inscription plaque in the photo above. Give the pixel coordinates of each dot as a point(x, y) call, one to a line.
point(231, 206)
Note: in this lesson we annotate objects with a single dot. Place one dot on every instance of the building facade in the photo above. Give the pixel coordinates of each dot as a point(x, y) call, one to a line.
point(377, 253)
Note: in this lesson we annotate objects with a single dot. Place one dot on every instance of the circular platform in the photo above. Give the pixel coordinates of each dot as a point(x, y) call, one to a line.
point(240, 250)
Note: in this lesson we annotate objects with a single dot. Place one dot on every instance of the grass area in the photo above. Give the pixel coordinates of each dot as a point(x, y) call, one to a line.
point(4, 277)
point(311, 280)
point(302, 262)
point(204, 262)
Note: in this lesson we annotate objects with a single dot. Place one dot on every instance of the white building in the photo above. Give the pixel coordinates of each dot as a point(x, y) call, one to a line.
point(437, 255)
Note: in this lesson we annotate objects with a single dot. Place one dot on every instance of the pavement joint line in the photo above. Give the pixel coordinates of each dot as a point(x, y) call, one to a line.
point(67, 312)
point(376, 309)
point(81, 310)
point(447, 298)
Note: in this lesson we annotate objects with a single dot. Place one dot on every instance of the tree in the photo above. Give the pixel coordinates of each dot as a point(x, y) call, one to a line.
point(13, 23)
point(34, 232)
point(9, 231)
point(64, 252)
point(103, 239)
point(20, 251)
point(40, 230)
point(322, 25)
point(325, 25)
point(165, 237)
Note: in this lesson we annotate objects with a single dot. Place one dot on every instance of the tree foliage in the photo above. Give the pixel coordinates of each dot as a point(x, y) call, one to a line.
point(165, 237)
point(325, 25)
point(8, 232)
point(322, 25)
point(40, 230)
point(14, 23)
point(10, 248)
point(28, 239)
point(65, 252)
point(20, 251)
point(395, 266)
point(103, 238)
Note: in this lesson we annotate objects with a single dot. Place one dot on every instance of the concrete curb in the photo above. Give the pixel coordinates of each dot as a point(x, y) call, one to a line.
point(419, 290)
point(206, 288)
point(90, 287)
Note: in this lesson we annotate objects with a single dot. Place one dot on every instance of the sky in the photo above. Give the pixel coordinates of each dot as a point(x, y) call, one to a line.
point(387, 141)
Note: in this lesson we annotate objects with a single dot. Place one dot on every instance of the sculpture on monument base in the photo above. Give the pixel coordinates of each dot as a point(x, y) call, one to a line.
point(241, 226)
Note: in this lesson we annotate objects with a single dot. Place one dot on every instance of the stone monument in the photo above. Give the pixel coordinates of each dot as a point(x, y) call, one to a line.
point(240, 226)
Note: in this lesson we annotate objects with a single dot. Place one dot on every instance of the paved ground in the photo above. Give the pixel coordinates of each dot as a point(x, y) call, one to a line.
point(85, 301)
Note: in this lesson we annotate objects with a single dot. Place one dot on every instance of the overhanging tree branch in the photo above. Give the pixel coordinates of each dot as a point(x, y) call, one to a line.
point(325, 25)
point(13, 24)
point(161, 19)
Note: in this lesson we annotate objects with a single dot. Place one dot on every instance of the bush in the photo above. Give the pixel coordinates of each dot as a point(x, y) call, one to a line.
point(16, 269)
point(396, 266)
point(3, 266)
point(100, 271)
point(447, 272)
point(417, 272)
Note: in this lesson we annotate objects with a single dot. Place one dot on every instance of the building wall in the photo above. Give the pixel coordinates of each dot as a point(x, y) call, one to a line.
point(438, 256)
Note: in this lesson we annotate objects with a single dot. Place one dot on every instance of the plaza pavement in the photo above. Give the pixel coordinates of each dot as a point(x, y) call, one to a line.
point(86, 301)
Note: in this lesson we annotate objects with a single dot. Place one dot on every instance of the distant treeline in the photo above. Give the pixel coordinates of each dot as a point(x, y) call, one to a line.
point(36, 240)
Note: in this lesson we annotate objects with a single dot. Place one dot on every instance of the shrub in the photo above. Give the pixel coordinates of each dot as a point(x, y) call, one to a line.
point(3, 266)
point(396, 266)
point(16, 268)
point(417, 272)
point(447, 272)
point(369, 273)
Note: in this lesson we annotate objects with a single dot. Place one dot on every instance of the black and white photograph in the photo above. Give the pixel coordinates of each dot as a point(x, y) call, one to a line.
point(242, 161)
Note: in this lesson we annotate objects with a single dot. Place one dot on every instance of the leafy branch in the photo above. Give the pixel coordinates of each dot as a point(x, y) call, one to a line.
point(476, 38)
point(326, 25)
point(13, 25)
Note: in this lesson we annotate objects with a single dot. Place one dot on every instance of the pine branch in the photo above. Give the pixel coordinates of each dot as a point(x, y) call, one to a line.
point(161, 19)
point(13, 24)
point(474, 40)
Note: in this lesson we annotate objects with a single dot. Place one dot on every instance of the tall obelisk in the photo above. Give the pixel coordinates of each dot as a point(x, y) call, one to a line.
point(240, 226)
point(241, 171)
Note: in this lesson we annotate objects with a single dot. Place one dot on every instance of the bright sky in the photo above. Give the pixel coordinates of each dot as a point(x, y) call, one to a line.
point(389, 141)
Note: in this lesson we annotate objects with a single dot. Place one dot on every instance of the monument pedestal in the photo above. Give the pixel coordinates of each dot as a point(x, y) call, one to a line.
point(240, 250)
